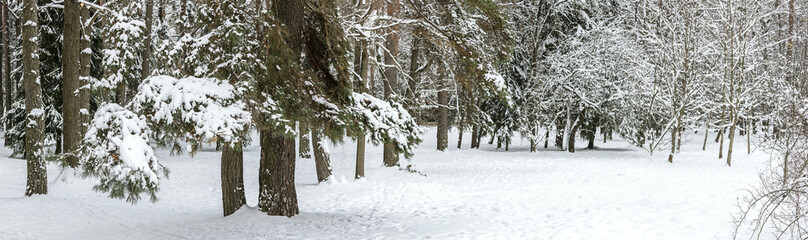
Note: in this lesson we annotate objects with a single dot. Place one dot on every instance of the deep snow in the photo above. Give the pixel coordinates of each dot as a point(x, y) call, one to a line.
point(615, 192)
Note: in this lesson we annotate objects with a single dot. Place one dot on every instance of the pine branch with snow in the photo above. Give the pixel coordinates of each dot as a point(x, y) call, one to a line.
point(116, 150)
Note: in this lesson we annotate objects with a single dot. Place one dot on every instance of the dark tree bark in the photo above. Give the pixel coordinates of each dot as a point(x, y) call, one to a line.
point(391, 73)
point(34, 133)
point(533, 142)
point(6, 59)
point(733, 121)
point(120, 93)
point(460, 137)
point(390, 156)
point(507, 143)
point(361, 67)
point(304, 140)
point(706, 135)
point(6, 91)
point(360, 156)
point(233, 197)
point(276, 177)
point(443, 119)
point(322, 157)
point(559, 138)
point(573, 132)
point(546, 137)
point(474, 132)
point(85, 59)
point(414, 64)
point(147, 45)
point(71, 65)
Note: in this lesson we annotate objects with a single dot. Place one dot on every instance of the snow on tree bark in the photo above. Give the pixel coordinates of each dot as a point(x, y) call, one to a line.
point(277, 194)
point(34, 124)
point(322, 156)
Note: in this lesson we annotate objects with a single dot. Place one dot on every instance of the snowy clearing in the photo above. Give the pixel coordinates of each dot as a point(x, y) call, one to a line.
point(615, 192)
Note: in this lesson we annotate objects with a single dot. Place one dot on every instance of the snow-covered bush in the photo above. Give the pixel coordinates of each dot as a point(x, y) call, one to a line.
point(116, 150)
point(197, 110)
point(384, 121)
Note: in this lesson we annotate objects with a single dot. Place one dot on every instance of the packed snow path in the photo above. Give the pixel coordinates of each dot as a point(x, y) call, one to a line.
point(614, 192)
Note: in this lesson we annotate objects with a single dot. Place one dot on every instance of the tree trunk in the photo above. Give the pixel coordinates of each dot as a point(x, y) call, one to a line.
point(731, 138)
point(85, 58)
point(459, 137)
point(391, 73)
point(673, 144)
point(361, 67)
point(322, 157)
point(4, 91)
point(360, 156)
point(605, 134)
point(161, 11)
point(480, 137)
point(507, 143)
point(443, 119)
point(276, 176)
point(474, 132)
point(414, 64)
point(34, 131)
point(559, 138)
point(7, 60)
point(749, 137)
point(679, 139)
point(493, 136)
point(546, 137)
point(147, 42)
point(533, 142)
point(567, 128)
point(304, 140)
point(233, 197)
point(71, 65)
point(706, 135)
point(591, 144)
point(390, 156)
point(571, 135)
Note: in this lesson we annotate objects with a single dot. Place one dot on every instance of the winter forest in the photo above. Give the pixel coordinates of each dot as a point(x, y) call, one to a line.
point(404, 119)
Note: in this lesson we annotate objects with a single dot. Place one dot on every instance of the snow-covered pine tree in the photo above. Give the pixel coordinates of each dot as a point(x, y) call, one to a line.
point(123, 40)
point(221, 45)
point(116, 150)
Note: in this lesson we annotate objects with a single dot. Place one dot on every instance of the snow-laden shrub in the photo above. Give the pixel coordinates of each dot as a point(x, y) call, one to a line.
point(116, 150)
point(196, 110)
point(385, 121)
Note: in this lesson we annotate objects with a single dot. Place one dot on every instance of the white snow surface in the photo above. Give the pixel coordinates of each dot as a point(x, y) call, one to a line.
point(614, 192)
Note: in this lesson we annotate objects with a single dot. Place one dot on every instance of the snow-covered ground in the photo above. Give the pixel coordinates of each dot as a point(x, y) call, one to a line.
point(614, 192)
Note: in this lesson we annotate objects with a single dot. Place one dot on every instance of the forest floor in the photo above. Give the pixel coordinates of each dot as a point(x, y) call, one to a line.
point(614, 192)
